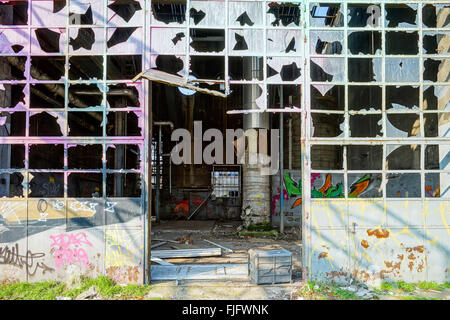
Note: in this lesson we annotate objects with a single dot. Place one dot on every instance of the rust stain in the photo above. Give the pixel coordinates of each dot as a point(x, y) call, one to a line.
point(379, 233)
point(412, 256)
point(365, 244)
point(336, 274)
point(400, 257)
point(420, 267)
point(419, 249)
point(411, 265)
point(323, 255)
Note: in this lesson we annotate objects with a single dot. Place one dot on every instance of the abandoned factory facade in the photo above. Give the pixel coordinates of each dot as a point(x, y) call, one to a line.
point(357, 92)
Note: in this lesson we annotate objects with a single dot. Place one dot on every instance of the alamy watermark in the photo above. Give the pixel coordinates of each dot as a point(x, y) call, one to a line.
point(241, 147)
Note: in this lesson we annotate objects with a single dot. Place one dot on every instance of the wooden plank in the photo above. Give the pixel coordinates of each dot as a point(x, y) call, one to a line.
point(161, 262)
point(201, 272)
point(187, 253)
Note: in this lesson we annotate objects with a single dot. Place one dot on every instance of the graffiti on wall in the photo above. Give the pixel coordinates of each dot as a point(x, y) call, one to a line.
point(11, 256)
point(69, 248)
point(122, 247)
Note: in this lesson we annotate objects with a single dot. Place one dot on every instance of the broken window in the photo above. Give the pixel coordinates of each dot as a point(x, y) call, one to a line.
point(46, 185)
point(437, 124)
point(14, 13)
point(327, 125)
point(12, 124)
point(46, 124)
point(124, 67)
point(11, 184)
point(435, 43)
point(403, 157)
point(433, 185)
point(84, 185)
point(284, 96)
point(403, 185)
point(124, 40)
point(246, 41)
point(84, 156)
point(12, 96)
point(402, 69)
point(85, 95)
point(207, 13)
point(403, 125)
point(14, 41)
point(123, 124)
point(123, 156)
point(284, 14)
point(169, 64)
point(283, 41)
point(46, 156)
point(326, 15)
point(209, 40)
point(86, 12)
point(47, 68)
point(47, 95)
point(86, 40)
point(326, 42)
point(326, 157)
point(432, 155)
point(402, 97)
point(167, 12)
point(327, 69)
point(225, 184)
point(364, 69)
point(129, 11)
point(434, 70)
point(46, 40)
point(402, 42)
point(245, 68)
point(327, 97)
point(364, 42)
point(401, 15)
point(364, 185)
point(364, 157)
point(123, 185)
point(85, 67)
point(12, 156)
point(123, 95)
point(168, 40)
point(85, 123)
point(364, 98)
point(12, 67)
point(365, 125)
point(436, 15)
point(245, 13)
point(363, 15)
point(208, 67)
point(283, 69)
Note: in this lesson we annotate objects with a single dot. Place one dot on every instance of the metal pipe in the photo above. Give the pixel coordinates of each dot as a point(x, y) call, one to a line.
point(290, 143)
point(158, 177)
point(281, 162)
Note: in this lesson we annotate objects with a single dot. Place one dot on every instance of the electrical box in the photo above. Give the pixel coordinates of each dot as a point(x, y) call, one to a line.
point(270, 266)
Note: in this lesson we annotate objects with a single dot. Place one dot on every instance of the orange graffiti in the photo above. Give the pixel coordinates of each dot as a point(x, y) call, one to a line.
point(327, 184)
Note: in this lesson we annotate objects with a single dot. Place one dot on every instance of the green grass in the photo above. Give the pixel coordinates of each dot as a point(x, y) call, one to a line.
point(49, 290)
point(259, 234)
point(326, 291)
point(410, 287)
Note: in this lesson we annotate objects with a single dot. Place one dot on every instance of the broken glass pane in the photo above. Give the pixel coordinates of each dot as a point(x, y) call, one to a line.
point(168, 40)
point(401, 15)
point(364, 157)
point(362, 15)
point(402, 69)
point(437, 124)
point(326, 42)
point(208, 67)
point(284, 14)
point(12, 156)
point(48, 95)
point(436, 98)
point(85, 67)
point(364, 185)
point(47, 68)
point(327, 125)
point(14, 13)
point(85, 123)
point(12, 96)
point(46, 156)
point(402, 42)
point(46, 185)
point(284, 41)
point(436, 43)
point(291, 95)
point(123, 124)
point(326, 15)
point(125, 40)
point(245, 68)
point(245, 13)
point(435, 70)
point(327, 69)
point(11, 184)
point(364, 69)
point(246, 41)
point(436, 15)
point(207, 13)
point(13, 67)
point(433, 186)
point(128, 11)
point(403, 157)
point(123, 95)
point(365, 126)
point(364, 42)
point(327, 97)
point(84, 185)
point(46, 40)
point(432, 154)
point(85, 12)
point(84, 156)
point(169, 64)
point(42, 10)
point(123, 185)
point(85, 95)
point(168, 12)
point(403, 185)
point(364, 98)
point(403, 125)
point(13, 41)
point(209, 40)
point(86, 40)
point(124, 67)
point(402, 97)
point(123, 156)
point(12, 124)
point(46, 124)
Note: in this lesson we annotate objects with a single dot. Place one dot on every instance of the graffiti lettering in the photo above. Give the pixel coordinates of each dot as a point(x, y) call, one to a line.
point(110, 206)
point(8, 209)
point(68, 248)
point(83, 206)
point(11, 256)
point(42, 206)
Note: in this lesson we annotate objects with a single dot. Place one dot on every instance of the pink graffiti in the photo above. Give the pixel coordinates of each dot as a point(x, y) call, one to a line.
point(276, 198)
point(314, 176)
point(68, 248)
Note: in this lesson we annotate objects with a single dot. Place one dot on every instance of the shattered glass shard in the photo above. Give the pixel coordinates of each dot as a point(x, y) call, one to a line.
point(120, 35)
point(48, 39)
point(197, 15)
point(85, 18)
point(241, 44)
point(244, 19)
point(85, 39)
point(58, 5)
point(125, 8)
point(178, 37)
